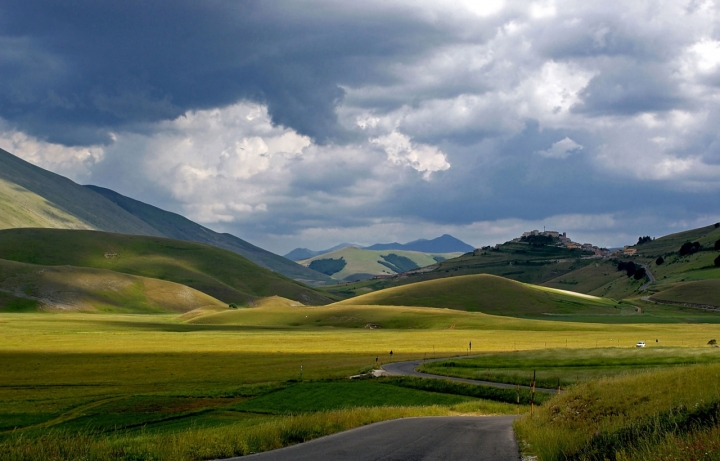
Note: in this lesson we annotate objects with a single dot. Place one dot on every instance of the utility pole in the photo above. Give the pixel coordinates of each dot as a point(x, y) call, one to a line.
point(532, 395)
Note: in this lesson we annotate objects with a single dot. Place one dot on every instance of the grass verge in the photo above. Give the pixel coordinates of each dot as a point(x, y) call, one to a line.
point(616, 417)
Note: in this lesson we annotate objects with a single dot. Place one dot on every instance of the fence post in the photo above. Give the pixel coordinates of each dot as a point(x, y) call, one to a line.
point(532, 395)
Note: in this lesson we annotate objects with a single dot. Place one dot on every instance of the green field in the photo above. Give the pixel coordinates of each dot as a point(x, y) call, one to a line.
point(565, 367)
point(335, 395)
point(219, 273)
point(174, 386)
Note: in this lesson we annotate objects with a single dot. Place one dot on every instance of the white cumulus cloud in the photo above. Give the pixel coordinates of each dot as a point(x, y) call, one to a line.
point(561, 149)
point(401, 150)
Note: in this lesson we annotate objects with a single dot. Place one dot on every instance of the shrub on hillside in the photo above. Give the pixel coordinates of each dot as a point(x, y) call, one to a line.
point(717, 244)
point(398, 263)
point(645, 239)
point(639, 273)
point(328, 266)
point(712, 342)
point(659, 261)
point(628, 266)
point(688, 248)
point(717, 261)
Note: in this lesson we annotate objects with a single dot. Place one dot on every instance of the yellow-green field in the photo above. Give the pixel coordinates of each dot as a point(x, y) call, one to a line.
point(210, 383)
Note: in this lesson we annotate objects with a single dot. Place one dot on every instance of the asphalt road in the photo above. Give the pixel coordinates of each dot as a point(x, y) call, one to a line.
point(456, 438)
point(651, 278)
point(408, 369)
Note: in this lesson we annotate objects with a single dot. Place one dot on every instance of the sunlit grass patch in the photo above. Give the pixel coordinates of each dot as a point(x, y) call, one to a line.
point(597, 419)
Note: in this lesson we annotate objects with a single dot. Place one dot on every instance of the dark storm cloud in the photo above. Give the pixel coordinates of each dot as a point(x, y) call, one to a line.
point(73, 71)
point(387, 92)
point(629, 88)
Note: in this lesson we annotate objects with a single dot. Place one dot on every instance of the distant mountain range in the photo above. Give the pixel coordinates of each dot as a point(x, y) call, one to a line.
point(33, 197)
point(443, 244)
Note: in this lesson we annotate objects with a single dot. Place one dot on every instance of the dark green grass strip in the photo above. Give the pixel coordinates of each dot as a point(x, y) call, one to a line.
point(320, 396)
point(470, 390)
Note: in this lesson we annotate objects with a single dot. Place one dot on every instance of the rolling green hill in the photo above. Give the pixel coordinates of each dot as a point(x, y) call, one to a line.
point(219, 273)
point(174, 226)
point(488, 294)
point(33, 197)
point(671, 243)
point(600, 278)
point(704, 292)
point(342, 315)
point(515, 261)
point(30, 287)
point(352, 263)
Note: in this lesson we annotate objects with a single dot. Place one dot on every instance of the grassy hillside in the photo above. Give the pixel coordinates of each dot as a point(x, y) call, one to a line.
point(601, 278)
point(20, 207)
point(705, 292)
point(33, 197)
point(515, 261)
point(219, 273)
point(368, 263)
point(671, 243)
point(642, 416)
point(174, 226)
point(67, 288)
point(489, 294)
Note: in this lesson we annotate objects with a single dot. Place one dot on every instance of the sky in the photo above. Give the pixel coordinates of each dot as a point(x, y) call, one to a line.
point(311, 123)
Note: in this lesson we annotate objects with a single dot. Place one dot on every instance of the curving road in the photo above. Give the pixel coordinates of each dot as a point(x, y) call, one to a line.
point(408, 369)
point(651, 278)
point(456, 438)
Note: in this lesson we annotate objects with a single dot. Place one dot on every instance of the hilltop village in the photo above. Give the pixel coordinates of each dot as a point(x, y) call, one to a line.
point(535, 237)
